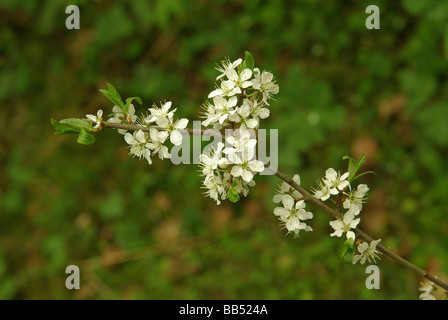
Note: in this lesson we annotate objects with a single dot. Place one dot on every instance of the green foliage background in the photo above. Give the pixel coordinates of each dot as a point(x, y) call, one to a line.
point(147, 232)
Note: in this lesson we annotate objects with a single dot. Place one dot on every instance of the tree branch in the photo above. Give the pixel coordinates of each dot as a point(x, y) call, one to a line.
point(360, 233)
point(308, 197)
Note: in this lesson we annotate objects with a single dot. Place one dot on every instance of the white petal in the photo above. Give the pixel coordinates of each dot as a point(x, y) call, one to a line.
point(246, 74)
point(215, 93)
point(252, 123)
point(288, 202)
point(331, 174)
point(140, 136)
point(351, 235)
point(182, 123)
point(176, 138)
point(281, 212)
point(154, 134)
point(236, 171)
point(256, 165)
point(129, 139)
point(247, 175)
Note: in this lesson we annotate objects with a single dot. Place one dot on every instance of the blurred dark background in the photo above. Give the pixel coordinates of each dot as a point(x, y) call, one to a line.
point(147, 232)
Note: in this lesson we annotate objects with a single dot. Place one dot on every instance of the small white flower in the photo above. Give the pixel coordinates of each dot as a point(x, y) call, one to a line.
point(335, 181)
point(257, 110)
point(427, 287)
point(175, 134)
point(264, 83)
point(158, 140)
point(356, 197)
point(287, 189)
point(226, 66)
point(161, 116)
point(140, 147)
point(215, 187)
point(323, 192)
point(222, 109)
point(121, 116)
point(367, 252)
point(241, 79)
point(226, 89)
point(345, 225)
point(292, 214)
point(246, 168)
point(211, 162)
point(243, 115)
point(96, 119)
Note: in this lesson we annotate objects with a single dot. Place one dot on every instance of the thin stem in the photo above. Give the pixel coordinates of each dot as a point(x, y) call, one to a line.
point(135, 127)
point(306, 196)
point(336, 214)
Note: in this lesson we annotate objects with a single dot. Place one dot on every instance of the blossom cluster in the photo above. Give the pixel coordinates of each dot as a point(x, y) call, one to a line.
point(241, 98)
point(239, 101)
point(351, 199)
point(292, 213)
point(230, 170)
point(158, 125)
point(427, 287)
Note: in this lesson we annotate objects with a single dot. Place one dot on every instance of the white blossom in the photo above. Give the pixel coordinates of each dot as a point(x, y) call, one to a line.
point(161, 116)
point(257, 109)
point(335, 181)
point(243, 115)
point(158, 140)
point(174, 130)
point(211, 162)
point(345, 225)
point(285, 189)
point(226, 66)
point(121, 116)
point(241, 79)
point(292, 215)
point(323, 192)
point(356, 197)
point(221, 110)
point(97, 119)
point(427, 287)
point(367, 252)
point(140, 147)
point(226, 89)
point(241, 156)
point(264, 83)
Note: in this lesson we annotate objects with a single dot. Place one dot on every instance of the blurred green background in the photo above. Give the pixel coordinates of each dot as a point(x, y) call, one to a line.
point(147, 232)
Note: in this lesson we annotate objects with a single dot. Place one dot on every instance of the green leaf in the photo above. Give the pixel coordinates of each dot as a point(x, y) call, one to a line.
point(354, 166)
point(349, 250)
point(75, 122)
point(62, 128)
point(233, 195)
point(249, 61)
point(113, 95)
point(85, 138)
point(361, 174)
point(129, 101)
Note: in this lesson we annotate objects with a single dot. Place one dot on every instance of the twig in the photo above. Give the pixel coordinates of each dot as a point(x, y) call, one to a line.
point(309, 197)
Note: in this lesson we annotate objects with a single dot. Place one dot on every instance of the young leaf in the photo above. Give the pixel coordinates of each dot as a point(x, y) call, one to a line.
point(85, 138)
point(113, 95)
point(249, 61)
point(354, 166)
point(75, 122)
point(349, 250)
point(233, 196)
point(129, 101)
point(62, 128)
